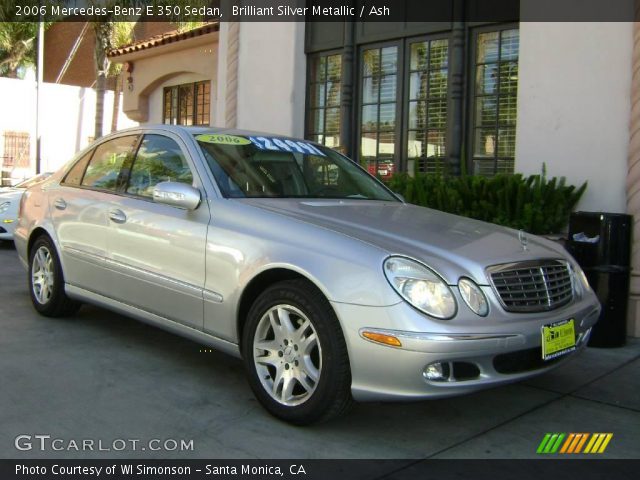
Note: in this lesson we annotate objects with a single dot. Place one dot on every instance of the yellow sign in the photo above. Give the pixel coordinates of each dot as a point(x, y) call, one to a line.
point(558, 339)
point(223, 139)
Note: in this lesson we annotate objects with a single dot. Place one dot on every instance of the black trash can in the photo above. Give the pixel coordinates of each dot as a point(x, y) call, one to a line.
point(606, 263)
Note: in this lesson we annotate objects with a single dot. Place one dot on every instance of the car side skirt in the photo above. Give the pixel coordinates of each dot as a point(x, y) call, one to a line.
point(206, 339)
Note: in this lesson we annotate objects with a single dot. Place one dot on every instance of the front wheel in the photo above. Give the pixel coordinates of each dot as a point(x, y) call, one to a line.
point(296, 355)
point(46, 281)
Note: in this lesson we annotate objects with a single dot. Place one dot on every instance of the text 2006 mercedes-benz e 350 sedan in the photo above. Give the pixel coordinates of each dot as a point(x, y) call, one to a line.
point(290, 255)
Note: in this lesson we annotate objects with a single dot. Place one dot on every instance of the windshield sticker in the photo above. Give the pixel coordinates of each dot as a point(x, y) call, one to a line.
point(285, 145)
point(223, 139)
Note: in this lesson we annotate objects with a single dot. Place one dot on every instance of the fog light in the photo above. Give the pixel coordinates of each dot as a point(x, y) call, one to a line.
point(436, 372)
point(382, 338)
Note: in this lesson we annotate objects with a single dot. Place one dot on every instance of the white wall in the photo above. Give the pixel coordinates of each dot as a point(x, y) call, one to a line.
point(574, 106)
point(271, 77)
point(66, 123)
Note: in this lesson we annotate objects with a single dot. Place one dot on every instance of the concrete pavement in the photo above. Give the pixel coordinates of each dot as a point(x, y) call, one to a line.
point(101, 376)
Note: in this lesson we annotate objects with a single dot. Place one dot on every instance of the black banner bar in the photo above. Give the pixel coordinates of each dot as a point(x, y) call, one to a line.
point(542, 469)
point(399, 11)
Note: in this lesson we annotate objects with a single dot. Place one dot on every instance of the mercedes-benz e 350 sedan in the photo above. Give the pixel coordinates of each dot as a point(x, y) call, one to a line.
point(291, 256)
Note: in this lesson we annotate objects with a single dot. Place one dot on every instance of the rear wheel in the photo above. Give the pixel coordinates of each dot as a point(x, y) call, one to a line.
point(295, 354)
point(46, 281)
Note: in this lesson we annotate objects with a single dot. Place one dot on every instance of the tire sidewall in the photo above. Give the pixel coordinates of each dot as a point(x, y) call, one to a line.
point(324, 322)
point(58, 279)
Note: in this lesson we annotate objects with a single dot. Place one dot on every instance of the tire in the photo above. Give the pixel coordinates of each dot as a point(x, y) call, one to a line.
point(46, 281)
point(297, 376)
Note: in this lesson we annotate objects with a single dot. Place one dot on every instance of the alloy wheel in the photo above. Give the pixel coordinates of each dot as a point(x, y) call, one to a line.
point(287, 355)
point(42, 275)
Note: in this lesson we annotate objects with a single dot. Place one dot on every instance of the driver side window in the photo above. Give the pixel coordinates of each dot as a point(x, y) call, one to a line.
point(159, 159)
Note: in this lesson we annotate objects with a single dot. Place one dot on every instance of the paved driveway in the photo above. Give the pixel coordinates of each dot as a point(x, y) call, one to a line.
point(102, 376)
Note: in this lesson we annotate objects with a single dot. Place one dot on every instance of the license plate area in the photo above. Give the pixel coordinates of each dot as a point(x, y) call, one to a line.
point(558, 339)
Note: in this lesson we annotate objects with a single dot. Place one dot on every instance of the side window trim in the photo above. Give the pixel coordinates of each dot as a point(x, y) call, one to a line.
point(127, 166)
point(95, 148)
point(183, 149)
point(86, 158)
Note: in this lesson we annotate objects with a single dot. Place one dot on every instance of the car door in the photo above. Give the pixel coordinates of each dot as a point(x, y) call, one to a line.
point(78, 209)
point(156, 252)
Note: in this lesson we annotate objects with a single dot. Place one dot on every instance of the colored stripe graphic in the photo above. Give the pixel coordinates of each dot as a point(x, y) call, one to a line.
point(550, 443)
point(573, 443)
point(598, 443)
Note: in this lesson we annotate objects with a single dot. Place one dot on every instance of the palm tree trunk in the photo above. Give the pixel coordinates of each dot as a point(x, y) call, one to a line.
point(116, 103)
point(100, 86)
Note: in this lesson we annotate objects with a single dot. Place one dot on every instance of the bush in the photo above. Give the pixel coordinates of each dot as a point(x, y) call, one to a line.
point(533, 203)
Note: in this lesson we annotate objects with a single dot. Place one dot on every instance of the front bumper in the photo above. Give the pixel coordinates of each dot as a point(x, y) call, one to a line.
point(7, 226)
point(478, 352)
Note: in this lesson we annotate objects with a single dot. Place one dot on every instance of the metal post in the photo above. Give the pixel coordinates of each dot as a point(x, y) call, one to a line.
point(39, 69)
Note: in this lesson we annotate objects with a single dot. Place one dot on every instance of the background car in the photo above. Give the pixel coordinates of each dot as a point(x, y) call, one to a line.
point(291, 256)
point(9, 202)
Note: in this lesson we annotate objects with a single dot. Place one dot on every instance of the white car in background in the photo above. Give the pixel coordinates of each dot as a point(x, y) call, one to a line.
point(9, 203)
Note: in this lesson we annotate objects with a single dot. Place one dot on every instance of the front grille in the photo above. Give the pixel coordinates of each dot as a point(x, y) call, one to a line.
point(537, 286)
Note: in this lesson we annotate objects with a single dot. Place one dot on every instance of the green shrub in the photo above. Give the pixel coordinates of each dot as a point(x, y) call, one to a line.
point(534, 204)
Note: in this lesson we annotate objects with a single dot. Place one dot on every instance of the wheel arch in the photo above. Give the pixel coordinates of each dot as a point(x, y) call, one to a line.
point(258, 284)
point(34, 235)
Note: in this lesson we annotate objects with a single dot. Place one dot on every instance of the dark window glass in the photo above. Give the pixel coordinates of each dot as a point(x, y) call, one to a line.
point(104, 170)
point(159, 159)
point(74, 176)
point(495, 101)
point(324, 100)
point(378, 112)
point(187, 104)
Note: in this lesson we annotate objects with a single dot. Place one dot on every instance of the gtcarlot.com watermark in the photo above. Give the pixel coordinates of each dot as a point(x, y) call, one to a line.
point(49, 443)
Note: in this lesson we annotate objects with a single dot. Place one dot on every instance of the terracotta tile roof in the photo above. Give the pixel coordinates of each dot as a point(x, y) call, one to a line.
point(164, 39)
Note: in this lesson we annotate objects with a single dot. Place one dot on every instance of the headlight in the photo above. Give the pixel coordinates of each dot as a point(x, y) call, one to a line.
point(4, 206)
point(580, 280)
point(420, 286)
point(473, 296)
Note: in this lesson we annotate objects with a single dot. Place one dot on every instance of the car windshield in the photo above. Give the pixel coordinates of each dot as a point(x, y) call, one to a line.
point(258, 167)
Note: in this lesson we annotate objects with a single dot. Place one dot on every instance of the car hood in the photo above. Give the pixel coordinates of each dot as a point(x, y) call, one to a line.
point(450, 244)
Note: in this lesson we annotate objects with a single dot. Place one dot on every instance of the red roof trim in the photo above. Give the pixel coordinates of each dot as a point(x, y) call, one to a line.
point(164, 39)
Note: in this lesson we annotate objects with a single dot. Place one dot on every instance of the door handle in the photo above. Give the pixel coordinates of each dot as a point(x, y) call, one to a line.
point(117, 216)
point(60, 204)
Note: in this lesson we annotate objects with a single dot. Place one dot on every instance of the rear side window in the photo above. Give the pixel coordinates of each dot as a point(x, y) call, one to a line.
point(74, 176)
point(104, 170)
point(159, 159)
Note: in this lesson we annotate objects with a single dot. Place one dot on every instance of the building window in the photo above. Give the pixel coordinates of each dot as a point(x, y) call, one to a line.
point(324, 100)
point(16, 149)
point(427, 112)
point(495, 101)
point(378, 110)
point(187, 104)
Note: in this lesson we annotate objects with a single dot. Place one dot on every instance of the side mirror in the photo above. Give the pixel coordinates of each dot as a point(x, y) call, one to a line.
point(177, 194)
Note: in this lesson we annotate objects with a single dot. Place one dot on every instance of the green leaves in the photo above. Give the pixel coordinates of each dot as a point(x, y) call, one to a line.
point(533, 203)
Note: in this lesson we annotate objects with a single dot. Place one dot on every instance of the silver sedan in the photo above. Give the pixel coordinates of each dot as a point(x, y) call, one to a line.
point(289, 255)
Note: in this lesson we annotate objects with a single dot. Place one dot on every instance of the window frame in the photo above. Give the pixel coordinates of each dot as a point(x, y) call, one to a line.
point(408, 41)
point(359, 103)
point(308, 117)
point(176, 89)
point(470, 90)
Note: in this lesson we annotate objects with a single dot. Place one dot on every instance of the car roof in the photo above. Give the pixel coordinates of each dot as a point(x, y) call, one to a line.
point(191, 130)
